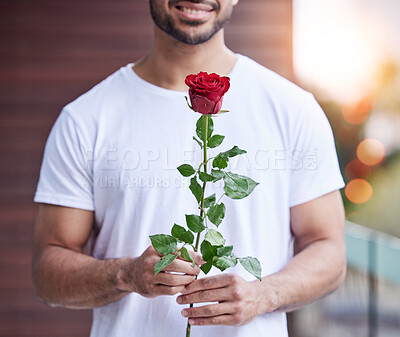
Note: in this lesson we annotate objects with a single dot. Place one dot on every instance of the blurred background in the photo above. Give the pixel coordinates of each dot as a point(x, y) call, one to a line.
point(347, 52)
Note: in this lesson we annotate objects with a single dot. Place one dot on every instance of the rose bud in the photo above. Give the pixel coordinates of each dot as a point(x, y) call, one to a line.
point(206, 92)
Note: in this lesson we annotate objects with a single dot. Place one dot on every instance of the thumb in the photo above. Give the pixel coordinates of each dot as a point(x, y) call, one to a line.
point(198, 258)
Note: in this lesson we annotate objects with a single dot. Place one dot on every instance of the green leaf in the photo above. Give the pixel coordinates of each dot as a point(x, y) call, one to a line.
point(164, 261)
point(186, 170)
point(195, 223)
point(205, 177)
point(196, 189)
point(215, 141)
point(185, 255)
point(237, 186)
point(206, 267)
point(215, 238)
point(236, 182)
point(208, 250)
point(235, 151)
point(225, 262)
point(209, 201)
point(217, 174)
point(177, 231)
point(220, 161)
point(225, 251)
point(216, 213)
point(200, 127)
point(187, 237)
point(187, 102)
point(252, 265)
point(182, 234)
point(198, 142)
point(222, 112)
point(164, 244)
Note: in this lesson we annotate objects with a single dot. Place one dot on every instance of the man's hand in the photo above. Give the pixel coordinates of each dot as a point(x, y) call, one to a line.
point(64, 276)
point(238, 300)
point(137, 275)
point(318, 229)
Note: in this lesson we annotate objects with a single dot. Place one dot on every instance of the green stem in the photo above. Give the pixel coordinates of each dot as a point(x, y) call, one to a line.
point(205, 161)
point(205, 134)
point(188, 330)
point(220, 198)
point(202, 164)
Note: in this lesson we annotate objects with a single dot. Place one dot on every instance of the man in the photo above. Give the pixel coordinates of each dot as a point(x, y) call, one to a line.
point(109, 180)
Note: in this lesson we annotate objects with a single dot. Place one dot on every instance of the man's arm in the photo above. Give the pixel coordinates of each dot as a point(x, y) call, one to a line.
point(319, 264)
point(64, 276)
point(318, 268)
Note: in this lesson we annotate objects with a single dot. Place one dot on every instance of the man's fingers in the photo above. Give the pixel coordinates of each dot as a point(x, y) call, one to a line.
point(181, 266)
point(197, 257)
point(209, 310)
point(211, 282)
point(216, 320)
point(167, 290)
point(173, 279)
point(213, 295)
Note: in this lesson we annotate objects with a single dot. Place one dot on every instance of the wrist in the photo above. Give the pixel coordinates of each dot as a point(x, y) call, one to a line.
point(125, 274)
point(267, 296)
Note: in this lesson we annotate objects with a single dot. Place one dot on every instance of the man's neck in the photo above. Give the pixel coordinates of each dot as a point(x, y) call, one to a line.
point(170, 61)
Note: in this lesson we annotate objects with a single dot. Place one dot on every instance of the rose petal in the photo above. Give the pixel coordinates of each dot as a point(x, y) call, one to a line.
point(203, 105)
point(217, 107)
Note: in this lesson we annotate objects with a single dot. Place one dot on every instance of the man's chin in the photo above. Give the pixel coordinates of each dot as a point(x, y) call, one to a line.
point(194, 38)
point(193, 23)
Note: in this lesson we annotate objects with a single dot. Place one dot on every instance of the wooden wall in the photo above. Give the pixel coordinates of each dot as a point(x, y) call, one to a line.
point(51, 52)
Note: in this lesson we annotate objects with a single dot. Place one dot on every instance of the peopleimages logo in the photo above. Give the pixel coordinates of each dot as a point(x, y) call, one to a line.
point(156, 167)
point(163, 159)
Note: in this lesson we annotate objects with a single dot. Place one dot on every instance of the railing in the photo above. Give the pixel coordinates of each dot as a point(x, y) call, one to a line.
point(378, 255)
point(368, 303)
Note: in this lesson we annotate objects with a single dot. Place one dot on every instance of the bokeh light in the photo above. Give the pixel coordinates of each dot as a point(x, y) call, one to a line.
point(358, 191)
point(370, 152)
point(356, 169)
point(357, 113)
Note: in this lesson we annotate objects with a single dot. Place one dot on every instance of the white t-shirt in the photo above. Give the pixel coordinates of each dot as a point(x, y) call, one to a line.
point(115, 150)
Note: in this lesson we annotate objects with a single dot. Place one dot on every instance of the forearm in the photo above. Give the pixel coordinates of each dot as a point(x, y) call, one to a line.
point(314, 272)
point(67, 278)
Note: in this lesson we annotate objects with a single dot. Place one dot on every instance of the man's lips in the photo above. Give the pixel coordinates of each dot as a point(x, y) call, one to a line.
point(193, 11)
point(194, 6)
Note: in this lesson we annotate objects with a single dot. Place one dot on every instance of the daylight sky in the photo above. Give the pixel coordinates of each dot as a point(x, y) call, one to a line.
point(339, 44)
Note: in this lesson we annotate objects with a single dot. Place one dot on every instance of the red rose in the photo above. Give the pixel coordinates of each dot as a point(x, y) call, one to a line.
point(206, 92)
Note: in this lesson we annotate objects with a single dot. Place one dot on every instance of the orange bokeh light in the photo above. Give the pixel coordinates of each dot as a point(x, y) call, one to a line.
point(357, 113)
point(370, 152)
point(358, 191)
point(356, 169)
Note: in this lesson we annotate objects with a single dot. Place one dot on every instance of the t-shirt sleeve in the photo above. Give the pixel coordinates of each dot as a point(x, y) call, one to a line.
point(315, 169)
point(65, 175)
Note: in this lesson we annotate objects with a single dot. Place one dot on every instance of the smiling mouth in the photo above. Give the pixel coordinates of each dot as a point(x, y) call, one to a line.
point(192, 11)
point(195, 9)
